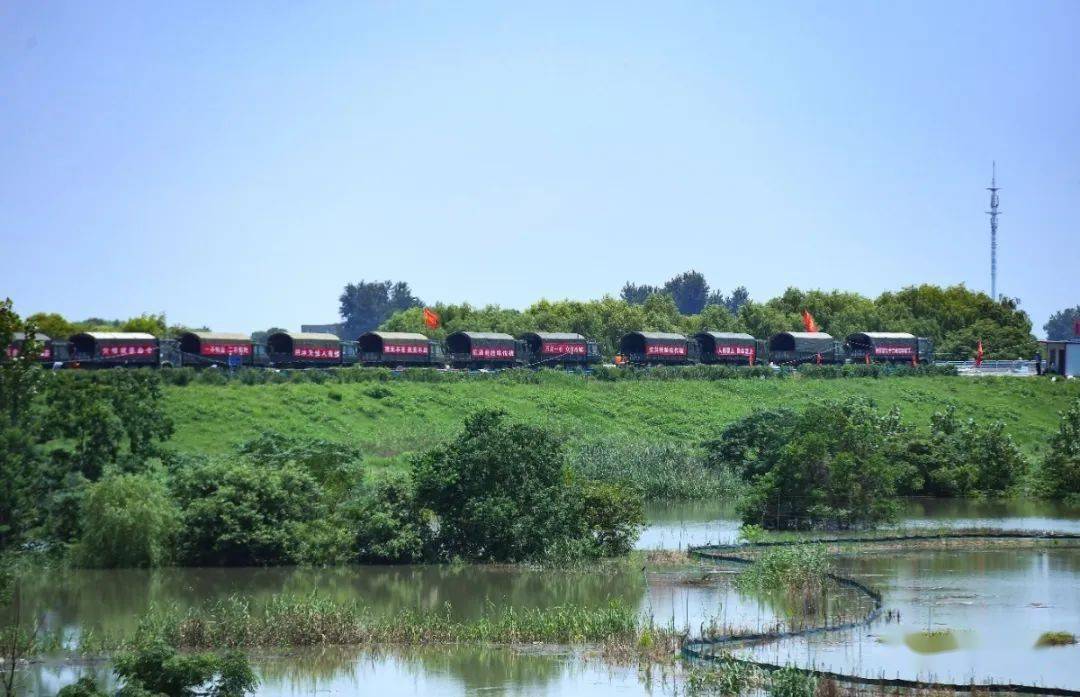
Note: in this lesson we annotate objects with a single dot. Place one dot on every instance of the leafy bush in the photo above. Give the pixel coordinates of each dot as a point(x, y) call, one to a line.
point(389, 525)
point(334, 465)
point(1061, 466)
point(614, 516)
point(501, 492)
point(960, 459)
point(237, 513)
point(83, 687)
point(158, 669)
point(827, 466)
point(128, 520)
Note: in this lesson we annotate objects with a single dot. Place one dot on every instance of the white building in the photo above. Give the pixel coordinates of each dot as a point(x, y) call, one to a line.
point(1062, 357)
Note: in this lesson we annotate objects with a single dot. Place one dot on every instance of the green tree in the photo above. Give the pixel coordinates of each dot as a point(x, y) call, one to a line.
point(1063, 324)
point(20, 457)
point(614, 516)
point(689, 290)
point(634, 294)
point(367, 304)
point(831, 467)
point(237, 513)
point(52, 325)
point(962, 458)
point(501, 492)
point(1061, 466)
point(148, 323)
point(498, 490)
point(129, 520)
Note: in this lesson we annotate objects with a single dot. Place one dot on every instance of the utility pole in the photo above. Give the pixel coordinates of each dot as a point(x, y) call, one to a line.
point(993, 213)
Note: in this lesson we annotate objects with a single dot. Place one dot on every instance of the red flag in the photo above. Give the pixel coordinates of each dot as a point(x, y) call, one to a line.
point(808, 322)
point(430, 318)
point(978, 354)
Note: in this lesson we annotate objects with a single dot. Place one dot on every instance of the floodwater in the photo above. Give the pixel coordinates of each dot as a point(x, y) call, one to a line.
point(993, 603)
point(964, 616)
point(695, 523)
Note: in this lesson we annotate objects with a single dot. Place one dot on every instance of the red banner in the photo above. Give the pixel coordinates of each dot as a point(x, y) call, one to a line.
point(572, 348)
point(894, 350)
point(485, 352)
point(225, 349)
point(129, 351)
point(665, 350)
point(14, 351)
point(407, 349)
point(324, 354)
point(736, 350)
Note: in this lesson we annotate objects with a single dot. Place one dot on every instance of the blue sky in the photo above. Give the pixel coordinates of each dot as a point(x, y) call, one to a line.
point(235, 164)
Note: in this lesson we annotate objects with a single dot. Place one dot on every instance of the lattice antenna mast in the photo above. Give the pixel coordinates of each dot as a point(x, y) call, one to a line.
point(993, 213)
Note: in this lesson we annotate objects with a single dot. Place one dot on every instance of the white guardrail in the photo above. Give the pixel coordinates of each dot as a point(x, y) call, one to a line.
point(1018, 368)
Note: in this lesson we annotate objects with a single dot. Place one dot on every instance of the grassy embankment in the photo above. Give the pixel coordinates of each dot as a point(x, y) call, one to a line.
point(394, 419)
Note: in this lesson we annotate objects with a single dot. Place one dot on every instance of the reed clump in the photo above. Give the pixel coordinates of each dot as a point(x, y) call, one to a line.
point(1055, 639)
point(799, 571)
point(289, 621)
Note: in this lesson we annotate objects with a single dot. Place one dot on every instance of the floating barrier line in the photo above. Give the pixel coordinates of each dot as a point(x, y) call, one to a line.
point(701, 649)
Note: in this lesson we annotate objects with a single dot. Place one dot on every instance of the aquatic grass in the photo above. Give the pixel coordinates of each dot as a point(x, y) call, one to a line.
point(799, 571)
point(1055, 639)
point(291, 621)
point(722, 676)
point(670, 471)
point(789, 681)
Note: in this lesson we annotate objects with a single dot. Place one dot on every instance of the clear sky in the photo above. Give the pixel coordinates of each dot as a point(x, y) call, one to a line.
point(235, 164)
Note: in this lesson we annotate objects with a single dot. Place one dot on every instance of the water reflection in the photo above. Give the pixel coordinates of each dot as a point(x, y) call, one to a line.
point(695, 523)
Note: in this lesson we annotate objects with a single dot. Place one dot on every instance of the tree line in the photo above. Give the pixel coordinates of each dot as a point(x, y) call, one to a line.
point(955, 318)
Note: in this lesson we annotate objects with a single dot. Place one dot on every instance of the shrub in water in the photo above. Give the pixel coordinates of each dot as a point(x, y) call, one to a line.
point(158, 669)
point(127, 520)
point(501, 492)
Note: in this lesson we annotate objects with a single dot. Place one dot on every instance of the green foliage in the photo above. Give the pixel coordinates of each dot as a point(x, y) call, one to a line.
point(1061, 325)
point(20, 457)
point(660, 470)
point(366, 305)
point(129, 520)
point(389, 525)
point(789, 681)
point(826, 466)
point(100, 413)
point(158, 669)
point(724, 675)
point(957, 318)
point(501, 492)
point(52, 325)
point(85, 686)
point(239, 513)
point(960, 458)
point(148, 323)
point(336, 466)
point(1061, 466)
point(614, 516)
point(794, 569)
point(317, 620)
